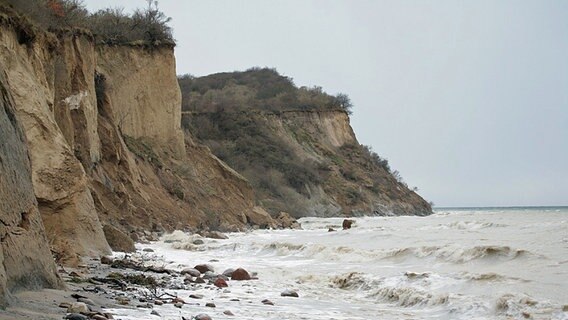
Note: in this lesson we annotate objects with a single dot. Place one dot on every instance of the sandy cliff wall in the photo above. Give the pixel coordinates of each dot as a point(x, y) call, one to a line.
point(59, 179)
point(25, 259)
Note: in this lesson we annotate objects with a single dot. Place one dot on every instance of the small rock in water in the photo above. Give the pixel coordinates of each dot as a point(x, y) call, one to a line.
point(267, 302)
point(210, 305)
point(198, 242)
point(199, 280)
point(78, 307)
point(148, 250)
point(191, 271)
point(330, 230)
point(204, 268)
point(106, 260)
point(228, 272)
point(215, 235)
point(196, 296)
point(347, 224)
point(75, 316)
point(240, 274)
point(220, 283)
point(289, 293)
point(98, 317)
point(209, 275)
point(202, 316)
point(178, 300)
point(155, 313)
point(158, 302)
point(228, 313)
point(178, 305)
point(565, 308)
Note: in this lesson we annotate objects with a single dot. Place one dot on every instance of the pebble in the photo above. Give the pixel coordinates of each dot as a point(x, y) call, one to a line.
point(155, 313)
point(178, 300)
point(202, 316)
point(148, 250)
point(98, 317)
point(240, 274)
point(75, 316)
point(289, 293)
point(228, 272)
point(178, 305)
point(228, 313)
point(267, 302)
point(191, 271)
point(64, 305)
point(210, 305)
point(204, 268)
point(330, 230)
point(158, 302)
point(198, 242)
point(196, 296)
point(78, 307)
point(220, 283)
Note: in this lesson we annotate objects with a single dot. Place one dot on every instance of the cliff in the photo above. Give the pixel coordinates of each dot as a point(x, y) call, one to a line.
point(295, 145)
point(93, 156)
point(25, 260)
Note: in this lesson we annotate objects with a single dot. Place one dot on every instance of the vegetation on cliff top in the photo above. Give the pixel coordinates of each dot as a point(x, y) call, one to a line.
point(255, 89)
point(148, 26)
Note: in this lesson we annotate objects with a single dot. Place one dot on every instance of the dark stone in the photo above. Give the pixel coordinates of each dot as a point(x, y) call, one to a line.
point(289, 293)
point(347, 224)
point(204, 268)
point(240, 274)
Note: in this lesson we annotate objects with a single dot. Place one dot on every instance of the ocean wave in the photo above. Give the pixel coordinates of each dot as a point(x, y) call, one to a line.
point(399, 289)
point(465, 225)
point(459, 254)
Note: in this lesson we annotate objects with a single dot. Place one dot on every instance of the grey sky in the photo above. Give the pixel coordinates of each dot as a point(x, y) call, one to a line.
point(467, 99)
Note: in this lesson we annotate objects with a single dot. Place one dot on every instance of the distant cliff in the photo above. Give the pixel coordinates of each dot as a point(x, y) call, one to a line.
point(295, 146)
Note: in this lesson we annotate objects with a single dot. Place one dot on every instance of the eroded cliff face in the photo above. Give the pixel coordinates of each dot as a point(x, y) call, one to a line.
point(25, 259)
point(59, 180)
point(314, 163)
point(109, 161)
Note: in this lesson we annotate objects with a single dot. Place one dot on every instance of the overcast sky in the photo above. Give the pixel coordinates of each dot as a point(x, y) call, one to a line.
point(467, 99)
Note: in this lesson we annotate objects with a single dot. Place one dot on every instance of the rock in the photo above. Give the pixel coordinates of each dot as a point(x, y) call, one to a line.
point(198, 242)
point(202, 316)
point(178, 305)
point(158, 302)
point(210, 275)
point(155, 313)
point(78, 307)
point(210, 305)
point(267, 302)
point(330, 230)
point(148, 250)
point(240, 274)
point(64, 305)
point(565, 308)
point(86, 301)
point(228, 313)
point(220, 283)
point(204, 268)
point(215, 235)
point(122, 300)
point(118, 240)
point(286, 221)
point(178, 300)
point(75, 316)
point(98, 317)
point(228, 272)
point(191, 271)
point(289, 293)
point(106, 260)
point(347, 224)
point(199, 280)
point(196, 296)
point(260, 218)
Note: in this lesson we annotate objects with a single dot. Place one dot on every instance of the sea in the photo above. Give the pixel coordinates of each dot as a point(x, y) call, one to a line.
point(458, 263)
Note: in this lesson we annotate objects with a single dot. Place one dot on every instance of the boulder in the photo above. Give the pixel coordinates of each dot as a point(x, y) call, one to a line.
point(228, 272)
point(286, 221)
point(204, 268)
point(191, 271)
point(78, 307)
point(347, 224)
point(220, 283)
point(289, 293)
point(240, 274)
point(118, 240)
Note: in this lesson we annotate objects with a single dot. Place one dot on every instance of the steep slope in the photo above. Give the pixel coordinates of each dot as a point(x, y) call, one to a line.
point(25, 260)
point(295, 145)
point(109, 161)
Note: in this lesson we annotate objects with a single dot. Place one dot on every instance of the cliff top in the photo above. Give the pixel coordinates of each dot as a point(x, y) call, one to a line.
point(146, 27)
point(258, 89)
